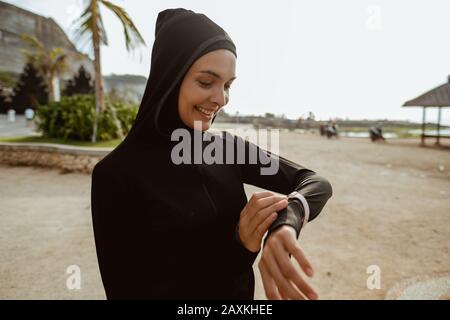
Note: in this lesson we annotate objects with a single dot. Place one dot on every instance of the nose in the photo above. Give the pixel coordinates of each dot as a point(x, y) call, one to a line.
point(220, 97)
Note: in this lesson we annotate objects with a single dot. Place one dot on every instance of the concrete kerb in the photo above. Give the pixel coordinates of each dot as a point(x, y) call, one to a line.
point(63, 157)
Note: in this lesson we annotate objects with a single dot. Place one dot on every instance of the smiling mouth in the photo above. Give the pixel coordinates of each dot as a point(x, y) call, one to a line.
point(205, 112)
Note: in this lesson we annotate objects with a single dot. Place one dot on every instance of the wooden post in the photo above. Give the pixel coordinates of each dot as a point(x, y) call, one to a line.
point(438, 126)
point(423, 127)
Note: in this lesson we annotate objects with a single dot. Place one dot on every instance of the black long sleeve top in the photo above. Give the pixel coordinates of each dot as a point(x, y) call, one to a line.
point(179, 240)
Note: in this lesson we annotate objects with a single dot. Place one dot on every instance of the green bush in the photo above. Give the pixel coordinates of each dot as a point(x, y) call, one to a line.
point(73, 118)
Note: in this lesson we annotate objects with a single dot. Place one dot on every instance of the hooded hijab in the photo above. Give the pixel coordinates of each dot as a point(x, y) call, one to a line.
point(168, 231)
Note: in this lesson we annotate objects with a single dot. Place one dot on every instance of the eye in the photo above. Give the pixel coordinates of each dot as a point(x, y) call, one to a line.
point(204, 84)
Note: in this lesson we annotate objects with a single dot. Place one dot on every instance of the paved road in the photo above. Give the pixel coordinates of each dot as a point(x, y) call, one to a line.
point(17, 128)
point(389, 209)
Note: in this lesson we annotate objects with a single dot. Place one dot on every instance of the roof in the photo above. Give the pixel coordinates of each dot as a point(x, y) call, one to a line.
point(437, 97)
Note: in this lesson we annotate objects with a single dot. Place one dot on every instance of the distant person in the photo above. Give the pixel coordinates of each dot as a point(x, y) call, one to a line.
point(11, 115)
point(332, 130)
point(322, 128)
point(376, 134)
point(29, 116)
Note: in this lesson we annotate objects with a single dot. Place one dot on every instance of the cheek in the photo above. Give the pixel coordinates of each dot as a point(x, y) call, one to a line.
point(193, 96)
point(189, 97)
point(184, 94)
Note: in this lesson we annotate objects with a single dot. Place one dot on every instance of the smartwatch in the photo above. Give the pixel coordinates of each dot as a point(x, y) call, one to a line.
point(296, 195)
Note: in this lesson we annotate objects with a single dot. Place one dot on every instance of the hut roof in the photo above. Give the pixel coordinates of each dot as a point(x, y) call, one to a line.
point(437, 97)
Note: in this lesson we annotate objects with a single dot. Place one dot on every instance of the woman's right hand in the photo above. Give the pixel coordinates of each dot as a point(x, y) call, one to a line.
point(257, 216)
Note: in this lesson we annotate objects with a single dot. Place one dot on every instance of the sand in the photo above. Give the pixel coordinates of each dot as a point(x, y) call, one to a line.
point(390, 209)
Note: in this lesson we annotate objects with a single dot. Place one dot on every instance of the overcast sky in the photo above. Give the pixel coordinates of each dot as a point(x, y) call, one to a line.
point(349, 58)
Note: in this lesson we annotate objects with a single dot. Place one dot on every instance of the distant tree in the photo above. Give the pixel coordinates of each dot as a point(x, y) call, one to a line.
point(269, 115)
point(311, 116)
point(3, 104)
point(90, 25)
point(50, 63)
point(30, 90)
point(80, 84)
point(7, 79)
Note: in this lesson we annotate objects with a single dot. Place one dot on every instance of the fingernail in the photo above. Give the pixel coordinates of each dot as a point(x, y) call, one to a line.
point(310, 272)
point(313, 296)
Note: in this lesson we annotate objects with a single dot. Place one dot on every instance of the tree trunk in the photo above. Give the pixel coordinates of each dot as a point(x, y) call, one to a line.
point(98, 90)
point(98, 73)
point(56, 89)
point(50, 88)
point(116, 120)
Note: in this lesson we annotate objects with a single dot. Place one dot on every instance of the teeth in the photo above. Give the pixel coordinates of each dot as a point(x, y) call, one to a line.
point(205, 111)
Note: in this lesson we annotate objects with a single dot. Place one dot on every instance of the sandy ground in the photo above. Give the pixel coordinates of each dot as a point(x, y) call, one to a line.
point(390, 208)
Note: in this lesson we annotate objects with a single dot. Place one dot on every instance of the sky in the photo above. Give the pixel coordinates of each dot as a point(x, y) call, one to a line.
point(357, 59)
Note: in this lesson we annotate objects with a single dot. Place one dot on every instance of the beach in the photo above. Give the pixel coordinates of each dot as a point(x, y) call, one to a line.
point(390, 208)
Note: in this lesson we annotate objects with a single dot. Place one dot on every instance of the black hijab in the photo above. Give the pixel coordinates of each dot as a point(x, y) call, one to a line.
point(181, 37)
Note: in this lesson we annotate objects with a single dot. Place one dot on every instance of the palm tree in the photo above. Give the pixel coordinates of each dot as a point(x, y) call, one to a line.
point(91, 25)
point(50, 63)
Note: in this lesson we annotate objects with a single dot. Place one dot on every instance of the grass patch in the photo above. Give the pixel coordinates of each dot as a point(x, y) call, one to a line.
point(40, 139)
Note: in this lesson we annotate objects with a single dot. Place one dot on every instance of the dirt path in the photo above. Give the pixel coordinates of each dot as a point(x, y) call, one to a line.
point(390, 208)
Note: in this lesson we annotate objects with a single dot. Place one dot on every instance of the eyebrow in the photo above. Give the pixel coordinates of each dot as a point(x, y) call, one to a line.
point(214, 74)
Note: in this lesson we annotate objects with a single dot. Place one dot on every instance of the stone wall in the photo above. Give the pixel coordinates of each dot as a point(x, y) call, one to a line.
point(65, 158)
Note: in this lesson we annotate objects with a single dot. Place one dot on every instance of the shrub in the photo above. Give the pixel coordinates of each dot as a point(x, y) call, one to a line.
point(73, 118)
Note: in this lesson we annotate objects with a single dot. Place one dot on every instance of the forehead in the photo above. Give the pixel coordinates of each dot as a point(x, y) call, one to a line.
point(222, 62)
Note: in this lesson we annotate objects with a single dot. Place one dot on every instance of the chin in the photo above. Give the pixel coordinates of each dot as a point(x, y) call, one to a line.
point(205, 124)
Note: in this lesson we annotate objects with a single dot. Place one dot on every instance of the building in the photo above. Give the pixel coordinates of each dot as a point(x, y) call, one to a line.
point(15, 21)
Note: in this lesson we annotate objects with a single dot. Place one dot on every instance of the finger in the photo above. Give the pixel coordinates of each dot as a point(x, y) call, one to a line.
point(263, 203)
point(295, 249)
point(260, 231)
point(269, 285)
point(290, 273)
point(255, 196)
point(247, 227)
point(262, 228)
point(262, 215)
point(284, 297)
point(285, 287)
point(258, 195)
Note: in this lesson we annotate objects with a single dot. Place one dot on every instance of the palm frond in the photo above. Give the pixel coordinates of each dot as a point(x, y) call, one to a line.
point(32, 42)
point(133, 37)
point(102, 31)
point(85, 24)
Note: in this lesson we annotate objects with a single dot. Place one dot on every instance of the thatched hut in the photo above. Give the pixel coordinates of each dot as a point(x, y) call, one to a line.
point(438, 97)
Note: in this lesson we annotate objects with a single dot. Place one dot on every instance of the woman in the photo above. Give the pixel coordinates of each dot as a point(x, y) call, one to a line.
point(165, 230)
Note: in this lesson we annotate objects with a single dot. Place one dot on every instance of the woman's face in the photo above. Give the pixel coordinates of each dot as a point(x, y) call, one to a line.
point(206, 87)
